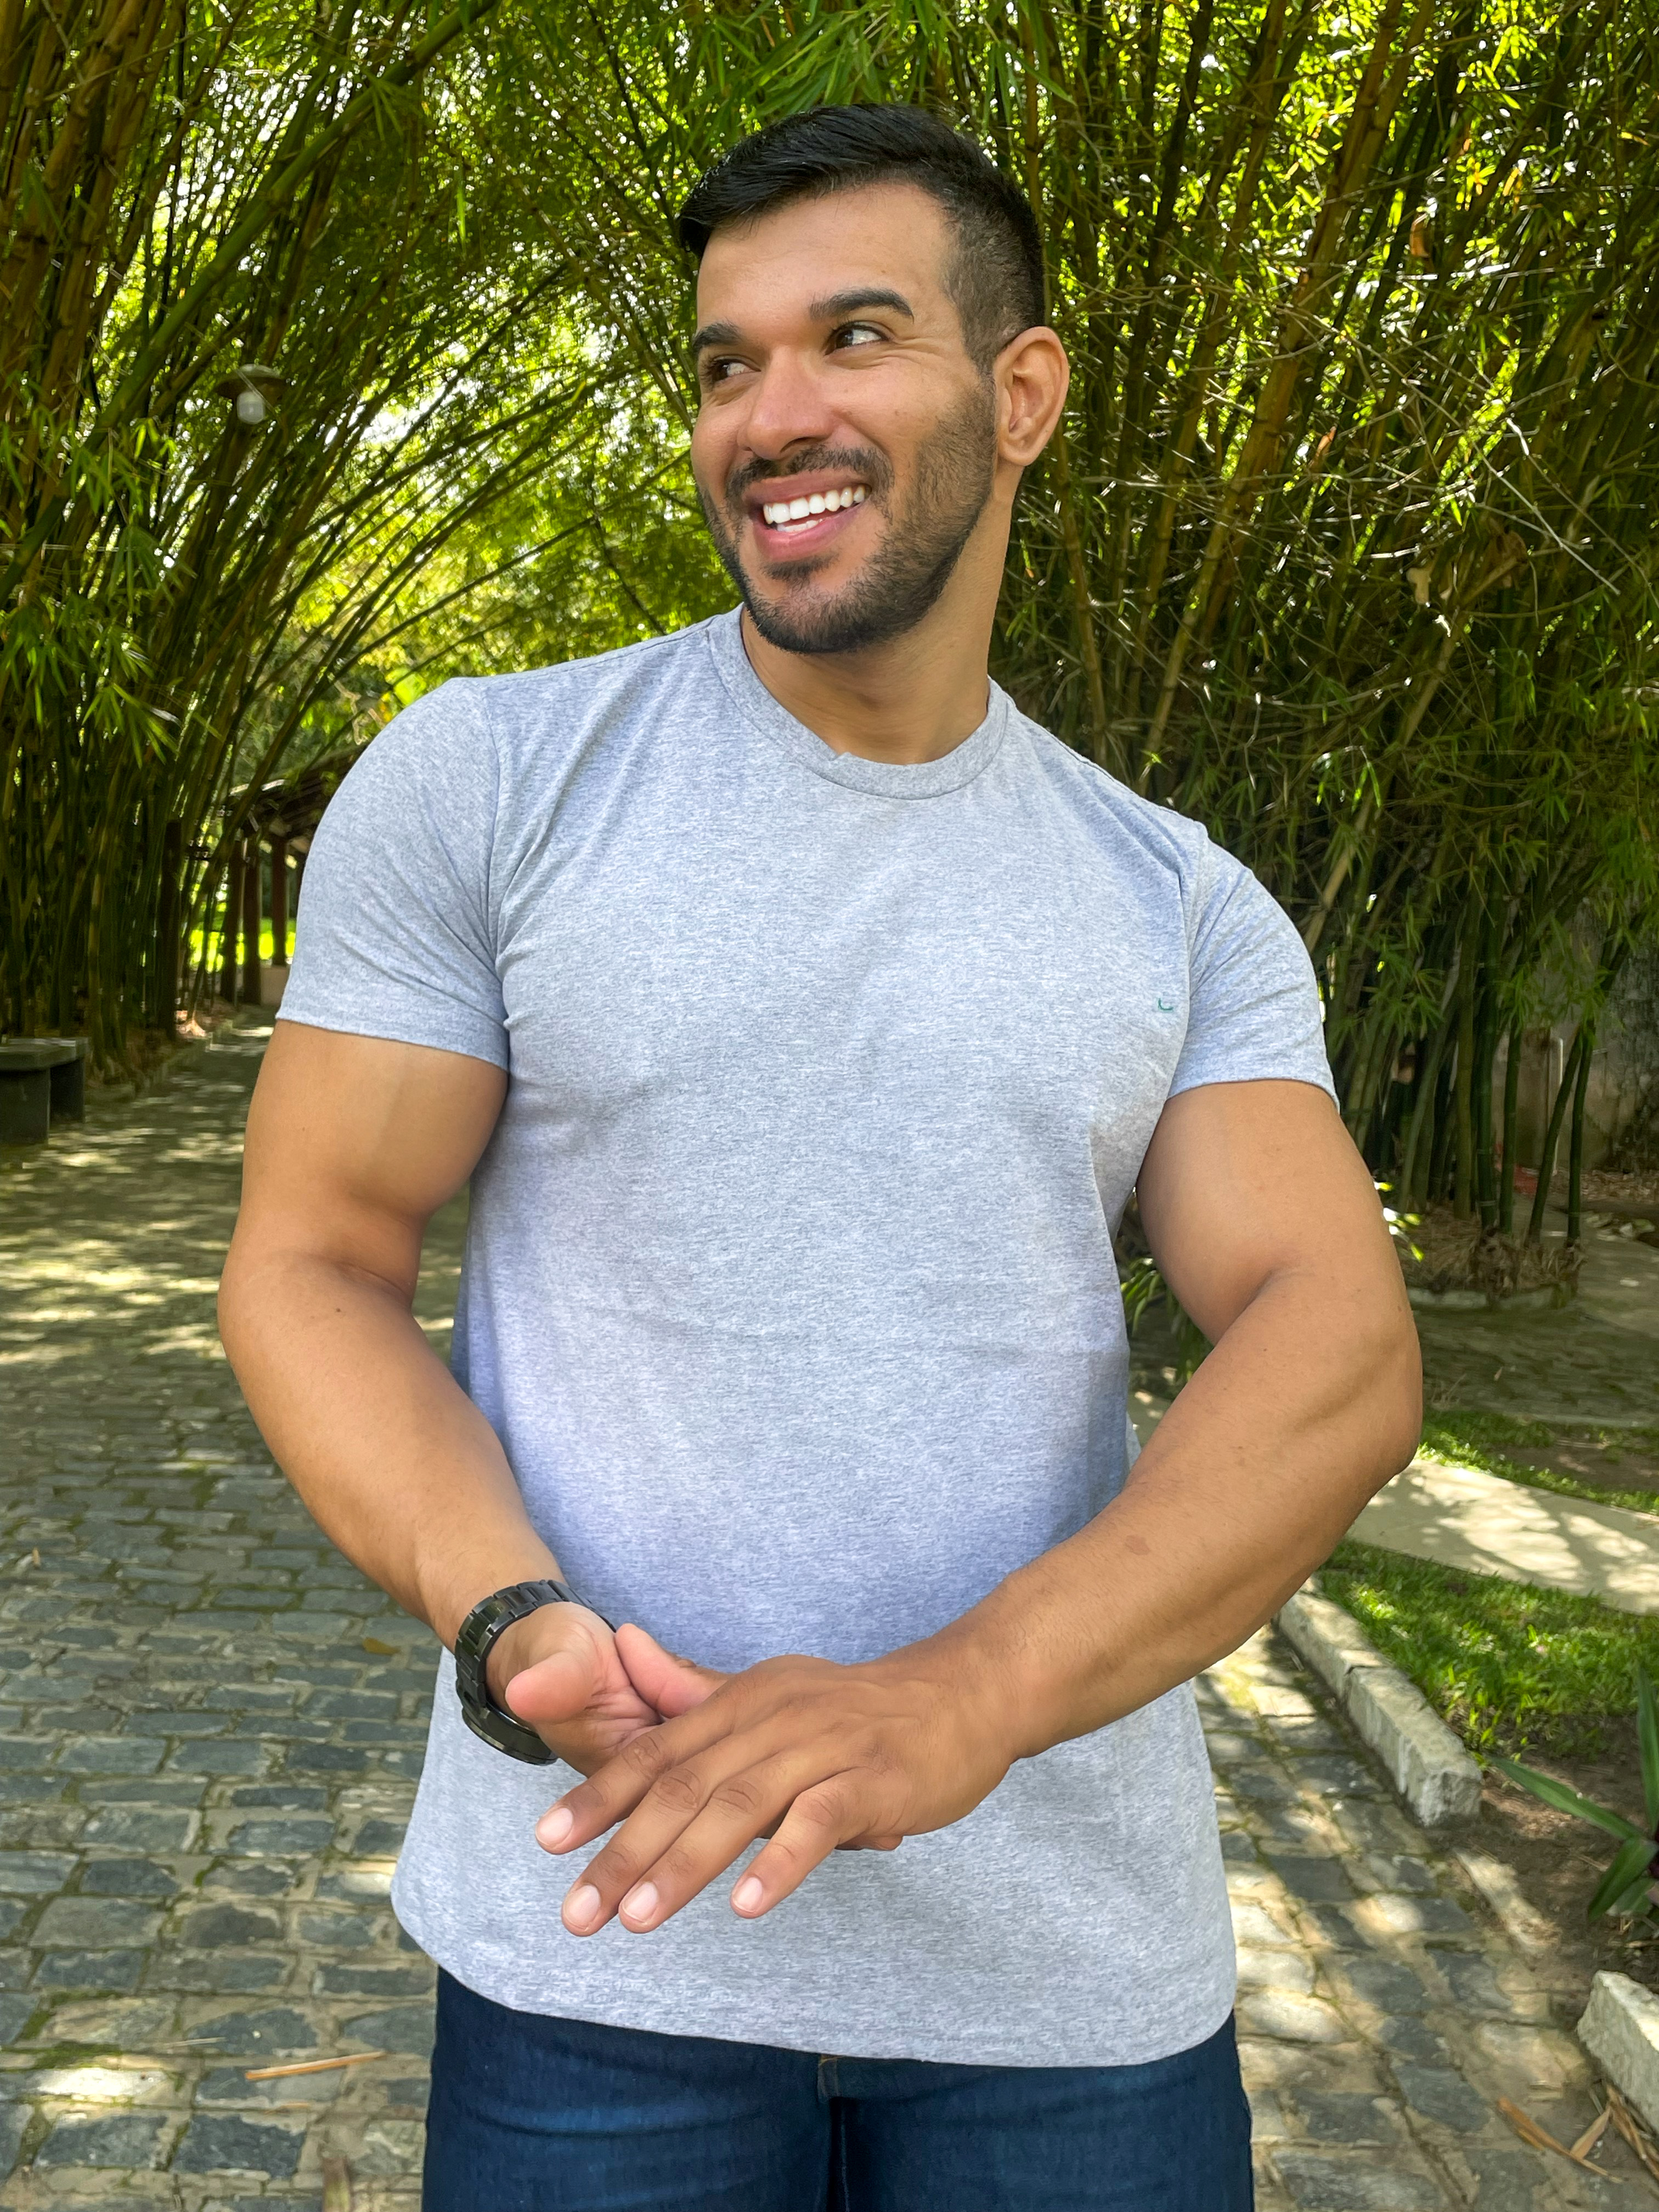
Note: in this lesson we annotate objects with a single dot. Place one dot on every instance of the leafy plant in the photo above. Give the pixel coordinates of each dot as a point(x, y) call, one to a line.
point(1627, 1889)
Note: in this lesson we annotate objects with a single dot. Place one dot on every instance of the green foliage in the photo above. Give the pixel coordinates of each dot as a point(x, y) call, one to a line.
point(1344, 547)
point(1511, 1667)
point(1625, 1889)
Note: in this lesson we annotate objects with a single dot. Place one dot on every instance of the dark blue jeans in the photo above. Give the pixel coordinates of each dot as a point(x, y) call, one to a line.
point(530, 2114)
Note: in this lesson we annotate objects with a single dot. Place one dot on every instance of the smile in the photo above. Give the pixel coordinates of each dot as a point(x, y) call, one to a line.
point(792, 515)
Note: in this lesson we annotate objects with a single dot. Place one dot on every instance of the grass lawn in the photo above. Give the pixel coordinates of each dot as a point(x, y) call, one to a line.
point(1512, 1668)
point(1503, 1445)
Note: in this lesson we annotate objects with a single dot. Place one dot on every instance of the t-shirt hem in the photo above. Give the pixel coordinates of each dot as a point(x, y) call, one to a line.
point(724, 2014)
point(1200, 1078)
point(474, 1044)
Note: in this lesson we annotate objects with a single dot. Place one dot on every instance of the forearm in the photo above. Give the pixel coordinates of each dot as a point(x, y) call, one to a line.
point(396, 1463)
point(1250, 1481)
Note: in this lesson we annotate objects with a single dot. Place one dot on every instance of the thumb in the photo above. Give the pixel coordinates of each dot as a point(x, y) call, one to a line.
point(671, 1684)
point(556, 1688)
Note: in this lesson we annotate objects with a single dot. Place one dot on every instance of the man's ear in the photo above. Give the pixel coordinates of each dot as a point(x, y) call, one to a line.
point(1032, 375)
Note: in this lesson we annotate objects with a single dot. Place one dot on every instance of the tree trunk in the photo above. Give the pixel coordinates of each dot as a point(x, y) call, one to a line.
point(251, 903)
point(1551, 1138)
point(1576, 1148)
point(164, 994)
point(279, 902)
point(1511, 1108)
point(227, 961)
point(1463, 1090)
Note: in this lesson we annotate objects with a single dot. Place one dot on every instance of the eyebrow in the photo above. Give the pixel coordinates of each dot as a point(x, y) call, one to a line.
point(834, 309)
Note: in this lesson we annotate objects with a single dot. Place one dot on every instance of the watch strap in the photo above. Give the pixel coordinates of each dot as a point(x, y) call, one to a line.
point(490, 1618)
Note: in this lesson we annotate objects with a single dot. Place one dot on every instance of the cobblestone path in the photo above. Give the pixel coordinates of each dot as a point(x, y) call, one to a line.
point(210, 1728)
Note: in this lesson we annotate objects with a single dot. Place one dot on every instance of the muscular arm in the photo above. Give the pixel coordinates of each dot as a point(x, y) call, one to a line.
point(1265, 1223)
point(353, 1143)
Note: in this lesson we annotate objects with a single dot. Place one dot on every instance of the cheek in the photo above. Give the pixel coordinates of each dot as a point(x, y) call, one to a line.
point(711, 457)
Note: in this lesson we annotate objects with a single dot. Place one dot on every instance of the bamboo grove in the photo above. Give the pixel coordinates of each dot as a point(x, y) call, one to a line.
point(1345, 549)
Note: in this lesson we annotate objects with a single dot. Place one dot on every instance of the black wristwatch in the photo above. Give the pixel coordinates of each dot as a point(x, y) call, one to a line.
point(501, 1729)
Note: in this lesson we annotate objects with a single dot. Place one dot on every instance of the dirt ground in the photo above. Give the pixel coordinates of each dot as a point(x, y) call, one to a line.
point(1558, 1860)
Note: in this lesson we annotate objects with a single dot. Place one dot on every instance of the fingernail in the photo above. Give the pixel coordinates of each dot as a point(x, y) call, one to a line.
point(553, 1827)
point(582, 1907)
point(746, 1897)
point(639, 1904)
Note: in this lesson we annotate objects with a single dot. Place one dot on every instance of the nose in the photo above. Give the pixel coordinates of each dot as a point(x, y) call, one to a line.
point(787, 408)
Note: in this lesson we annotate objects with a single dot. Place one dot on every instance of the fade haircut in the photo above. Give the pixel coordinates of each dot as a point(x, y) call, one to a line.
point(995, 273)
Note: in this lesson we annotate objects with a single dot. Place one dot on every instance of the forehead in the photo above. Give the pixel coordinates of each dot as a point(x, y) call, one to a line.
point(889, 236)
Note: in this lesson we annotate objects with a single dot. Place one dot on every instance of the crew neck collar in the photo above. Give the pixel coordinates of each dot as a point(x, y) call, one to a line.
point(881, 779)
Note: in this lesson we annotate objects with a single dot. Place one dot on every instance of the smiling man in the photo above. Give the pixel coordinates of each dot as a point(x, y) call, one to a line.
point(804, 1017)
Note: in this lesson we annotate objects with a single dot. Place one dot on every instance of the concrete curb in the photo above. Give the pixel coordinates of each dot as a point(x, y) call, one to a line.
point(1620, 2031)
point(1428, 1764)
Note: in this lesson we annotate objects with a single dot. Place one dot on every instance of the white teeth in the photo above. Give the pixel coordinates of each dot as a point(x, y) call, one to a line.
point(780, 513)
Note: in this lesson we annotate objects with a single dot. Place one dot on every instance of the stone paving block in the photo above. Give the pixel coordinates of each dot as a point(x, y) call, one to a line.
point(102, 1877)
point(1408, 2038)
point(353, 1980)
point(124, 2024)
point(1292, 2019)
point(14, 2126)
point(209, 1926)
point(1413, 1915)
point(1319, 1881)
point(273, 2032)
point(1324, 2184)
point(221, 1973)
point(406, 2028)
point(110, 1754)
point(90, 1970)
point(95, 1922)
point(34, 1873)
point(16, 2010)
point(276, 1837)
point(1386, 1984)
point(1346, 2116)
point(228, 2086)
point(216, 2142)
point(127, 2139)
point(1261, 1969)
point(1441, 2095)
point(130, 1829)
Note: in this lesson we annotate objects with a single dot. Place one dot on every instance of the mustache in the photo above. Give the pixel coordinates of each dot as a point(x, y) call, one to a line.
point(862, 461)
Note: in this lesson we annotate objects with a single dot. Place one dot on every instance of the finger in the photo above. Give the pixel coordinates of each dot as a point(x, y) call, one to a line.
point(663, 1857)
point(821, 1818)
point(673, 1685)
point(556, 1688)
point(612, 1793)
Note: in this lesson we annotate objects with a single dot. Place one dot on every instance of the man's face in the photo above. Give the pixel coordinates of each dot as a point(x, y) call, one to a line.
point(844, 447)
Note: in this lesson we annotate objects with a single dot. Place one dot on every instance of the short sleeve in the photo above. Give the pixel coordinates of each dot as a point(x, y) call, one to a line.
point(1253, 1013)
point(394, 936)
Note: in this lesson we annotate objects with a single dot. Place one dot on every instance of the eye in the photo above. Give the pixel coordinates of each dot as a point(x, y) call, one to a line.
point(719, 368)
point(857, 334)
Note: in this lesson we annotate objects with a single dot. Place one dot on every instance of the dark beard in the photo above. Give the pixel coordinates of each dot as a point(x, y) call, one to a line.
point(903, 581)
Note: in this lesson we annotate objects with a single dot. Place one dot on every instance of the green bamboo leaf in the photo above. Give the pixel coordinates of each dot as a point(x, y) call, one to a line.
point(1565, 1800)
point(1647, 1731)
point(1627, 1874)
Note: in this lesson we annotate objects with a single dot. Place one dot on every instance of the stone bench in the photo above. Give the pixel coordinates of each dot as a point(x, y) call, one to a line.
point(42, 1080)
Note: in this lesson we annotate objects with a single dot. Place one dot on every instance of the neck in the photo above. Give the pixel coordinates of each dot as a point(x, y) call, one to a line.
point(914, 699)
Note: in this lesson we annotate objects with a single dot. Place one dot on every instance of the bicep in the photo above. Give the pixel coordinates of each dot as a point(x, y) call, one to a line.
point(353, 1142)
point(1243, 1181)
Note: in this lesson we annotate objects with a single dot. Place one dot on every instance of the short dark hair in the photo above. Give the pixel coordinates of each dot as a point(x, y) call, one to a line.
point(995, 276)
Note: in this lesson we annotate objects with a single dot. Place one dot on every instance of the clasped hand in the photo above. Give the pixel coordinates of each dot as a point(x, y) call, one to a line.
point(697, 1765)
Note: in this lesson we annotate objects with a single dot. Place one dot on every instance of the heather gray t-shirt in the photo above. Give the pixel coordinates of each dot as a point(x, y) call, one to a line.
point(789, 1287)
